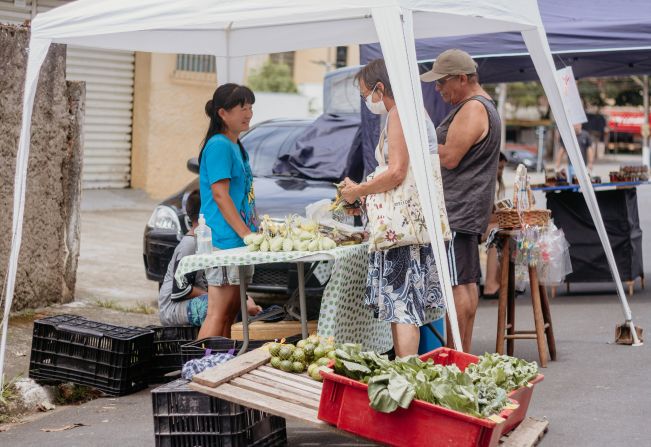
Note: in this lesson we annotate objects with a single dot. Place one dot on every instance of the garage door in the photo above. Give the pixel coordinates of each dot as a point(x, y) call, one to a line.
point(107, 125)
point(109, 101)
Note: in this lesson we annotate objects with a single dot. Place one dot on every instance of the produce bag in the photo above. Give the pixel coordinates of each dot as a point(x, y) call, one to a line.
point(554, 262)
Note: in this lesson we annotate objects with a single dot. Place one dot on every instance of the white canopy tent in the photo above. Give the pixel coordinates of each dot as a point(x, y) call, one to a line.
point(233, 29)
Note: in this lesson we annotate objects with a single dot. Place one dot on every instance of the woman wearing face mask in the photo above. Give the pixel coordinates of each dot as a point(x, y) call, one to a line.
point(402, 284)
point(227, 199)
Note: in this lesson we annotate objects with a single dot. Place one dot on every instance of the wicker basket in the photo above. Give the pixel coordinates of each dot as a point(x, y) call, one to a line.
point(510, 219)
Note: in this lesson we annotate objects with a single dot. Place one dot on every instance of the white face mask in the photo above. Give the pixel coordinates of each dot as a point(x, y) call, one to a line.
point(378, 108)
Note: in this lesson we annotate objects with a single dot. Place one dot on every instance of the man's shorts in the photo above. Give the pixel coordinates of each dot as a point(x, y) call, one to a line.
point(463, 258)
point(227, 276)
point(197, 310)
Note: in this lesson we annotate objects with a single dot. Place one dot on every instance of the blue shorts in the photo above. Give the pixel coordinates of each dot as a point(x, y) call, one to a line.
point(197, 310)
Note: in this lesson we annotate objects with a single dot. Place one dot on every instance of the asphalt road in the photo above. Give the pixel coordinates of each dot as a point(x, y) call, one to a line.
point(595, 394)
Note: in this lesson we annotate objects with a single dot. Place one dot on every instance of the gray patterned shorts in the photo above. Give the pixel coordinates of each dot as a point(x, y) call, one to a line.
point(227, 276)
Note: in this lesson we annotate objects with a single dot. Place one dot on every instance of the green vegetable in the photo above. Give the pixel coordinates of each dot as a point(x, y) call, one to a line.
point(323, 361)
point(298, 367)
point(479, 391)
point(286, 351)
point(314, 339)
point(274, 348)
point(319, 352)
point(275, 362)
point(316, 375)
point(508, 373)
point(309, 350)
point(299, 355)
point(287, 365)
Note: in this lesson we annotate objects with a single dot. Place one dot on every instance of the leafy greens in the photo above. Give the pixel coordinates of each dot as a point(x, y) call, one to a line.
point(481, 390)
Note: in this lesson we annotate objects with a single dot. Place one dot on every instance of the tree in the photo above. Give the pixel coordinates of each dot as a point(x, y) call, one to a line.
point(272, 77)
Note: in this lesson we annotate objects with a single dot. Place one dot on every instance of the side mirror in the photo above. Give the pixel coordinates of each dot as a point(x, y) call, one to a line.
point(193, 165)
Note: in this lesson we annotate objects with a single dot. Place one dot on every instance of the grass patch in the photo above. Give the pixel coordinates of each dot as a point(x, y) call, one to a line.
point(139, 308)
point(8, 399)
point(8, 392)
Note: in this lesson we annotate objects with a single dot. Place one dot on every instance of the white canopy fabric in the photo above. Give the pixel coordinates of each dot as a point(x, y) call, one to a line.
point(232, 29)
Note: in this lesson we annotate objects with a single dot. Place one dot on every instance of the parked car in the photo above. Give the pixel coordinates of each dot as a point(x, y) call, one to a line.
point(276, 196)
point(516, 156)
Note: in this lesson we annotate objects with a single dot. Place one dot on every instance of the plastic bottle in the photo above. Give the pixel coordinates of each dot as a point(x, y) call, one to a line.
point(204, 237)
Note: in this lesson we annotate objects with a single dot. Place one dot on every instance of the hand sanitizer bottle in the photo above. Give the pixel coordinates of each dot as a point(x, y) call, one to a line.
point(204, 237)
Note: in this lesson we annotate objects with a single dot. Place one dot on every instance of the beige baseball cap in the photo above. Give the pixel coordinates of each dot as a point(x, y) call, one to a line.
point(450, 62)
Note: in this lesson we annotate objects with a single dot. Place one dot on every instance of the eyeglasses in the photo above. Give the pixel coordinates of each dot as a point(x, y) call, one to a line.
point(441, 82)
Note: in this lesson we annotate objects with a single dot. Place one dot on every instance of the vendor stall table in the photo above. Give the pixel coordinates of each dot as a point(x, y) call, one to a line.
point(248, 380)
point(618, 206)
point(343, 315)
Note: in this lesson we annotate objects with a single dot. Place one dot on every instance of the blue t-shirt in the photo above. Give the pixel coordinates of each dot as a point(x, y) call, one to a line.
point(222, 159)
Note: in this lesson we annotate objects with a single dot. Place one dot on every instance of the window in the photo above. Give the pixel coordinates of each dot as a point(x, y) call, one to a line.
point(342, 57)
point(198, 63)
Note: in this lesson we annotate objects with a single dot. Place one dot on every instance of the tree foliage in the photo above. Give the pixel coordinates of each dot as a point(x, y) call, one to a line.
point(272, 77)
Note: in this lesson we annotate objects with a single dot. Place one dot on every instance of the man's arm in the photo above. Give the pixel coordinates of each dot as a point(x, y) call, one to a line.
point(591, 154)
point(468, 127)
point(559, 157)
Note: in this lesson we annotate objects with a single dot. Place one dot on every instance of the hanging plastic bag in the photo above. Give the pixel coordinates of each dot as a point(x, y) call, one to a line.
point(554, 262)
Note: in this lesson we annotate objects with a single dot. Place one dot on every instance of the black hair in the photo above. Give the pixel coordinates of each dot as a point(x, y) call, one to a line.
point(193, 206)
point(374, 72)
point(225, 97)
point(502, 156)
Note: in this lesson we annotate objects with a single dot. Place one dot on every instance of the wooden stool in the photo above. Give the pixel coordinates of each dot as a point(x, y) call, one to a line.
point(506, 309)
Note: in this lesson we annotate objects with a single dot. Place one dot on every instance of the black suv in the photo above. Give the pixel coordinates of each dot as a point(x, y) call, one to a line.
point(276, 196)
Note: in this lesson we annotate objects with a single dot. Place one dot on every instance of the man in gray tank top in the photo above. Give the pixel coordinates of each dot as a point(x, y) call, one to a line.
point(469, 147)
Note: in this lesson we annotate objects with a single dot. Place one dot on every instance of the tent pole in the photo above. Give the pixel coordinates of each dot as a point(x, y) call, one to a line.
point(501, 109)
point(409, 100)
point(645, 121)
point(536, 42)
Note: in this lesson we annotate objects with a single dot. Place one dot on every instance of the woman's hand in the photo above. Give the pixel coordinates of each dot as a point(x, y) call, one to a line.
point(350, 191)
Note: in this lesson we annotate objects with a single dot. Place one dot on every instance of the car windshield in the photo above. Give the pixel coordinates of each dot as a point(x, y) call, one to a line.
point(265, 144)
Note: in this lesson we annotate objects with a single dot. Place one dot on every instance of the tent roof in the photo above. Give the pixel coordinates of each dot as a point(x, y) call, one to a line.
point(595, 37)
point(243, 27)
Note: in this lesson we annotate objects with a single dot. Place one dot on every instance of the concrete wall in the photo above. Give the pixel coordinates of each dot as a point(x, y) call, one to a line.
point(169, 123)
point(50, 246)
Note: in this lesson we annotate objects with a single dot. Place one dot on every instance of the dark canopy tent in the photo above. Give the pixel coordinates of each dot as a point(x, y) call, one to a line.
point(598, 38)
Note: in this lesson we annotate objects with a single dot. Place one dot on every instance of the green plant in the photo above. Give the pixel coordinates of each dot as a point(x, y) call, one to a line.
point(272, 77)
point(8, 392)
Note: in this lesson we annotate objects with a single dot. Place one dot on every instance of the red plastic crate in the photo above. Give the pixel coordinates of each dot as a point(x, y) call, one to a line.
point(344, 403)
point(447, 356)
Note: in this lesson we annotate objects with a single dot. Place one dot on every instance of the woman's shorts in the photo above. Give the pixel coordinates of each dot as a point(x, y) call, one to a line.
point(228, 276)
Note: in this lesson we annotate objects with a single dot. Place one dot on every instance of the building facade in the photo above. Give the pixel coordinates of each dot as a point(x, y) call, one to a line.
point(144, 111)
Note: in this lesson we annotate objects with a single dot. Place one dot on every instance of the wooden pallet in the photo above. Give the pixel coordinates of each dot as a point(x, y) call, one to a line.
point(249, 381)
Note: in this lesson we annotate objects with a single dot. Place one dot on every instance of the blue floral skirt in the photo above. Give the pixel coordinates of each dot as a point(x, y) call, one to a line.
point(403, 285)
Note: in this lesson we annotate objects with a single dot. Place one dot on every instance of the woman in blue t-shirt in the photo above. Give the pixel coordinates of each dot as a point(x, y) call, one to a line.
point(227, 199)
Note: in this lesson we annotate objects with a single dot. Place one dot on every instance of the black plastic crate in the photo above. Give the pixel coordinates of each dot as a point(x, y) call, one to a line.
point(185, 418)
point(221, 345)
point(69, 348)
point(167, 350)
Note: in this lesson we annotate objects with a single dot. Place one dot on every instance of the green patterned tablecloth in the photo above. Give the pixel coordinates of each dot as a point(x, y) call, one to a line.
point(343, 313)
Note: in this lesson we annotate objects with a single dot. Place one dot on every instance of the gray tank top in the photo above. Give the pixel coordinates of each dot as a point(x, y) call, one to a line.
point(470, 187)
